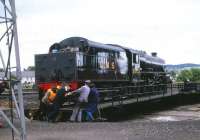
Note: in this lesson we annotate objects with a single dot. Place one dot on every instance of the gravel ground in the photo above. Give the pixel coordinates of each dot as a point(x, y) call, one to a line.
point(181, 130)
point(180, 123)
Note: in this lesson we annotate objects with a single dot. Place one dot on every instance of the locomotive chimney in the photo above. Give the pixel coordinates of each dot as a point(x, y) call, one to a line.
point(154, 54)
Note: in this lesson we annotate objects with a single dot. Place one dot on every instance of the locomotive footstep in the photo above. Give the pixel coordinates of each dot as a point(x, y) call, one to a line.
point(100, 120)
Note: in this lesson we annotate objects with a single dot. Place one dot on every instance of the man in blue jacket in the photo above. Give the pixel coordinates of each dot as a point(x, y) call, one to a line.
point(93, 100)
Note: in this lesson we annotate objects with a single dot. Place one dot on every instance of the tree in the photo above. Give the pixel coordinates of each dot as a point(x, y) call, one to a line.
point(195, 74)
point(173, 75)
point(1, 70)
point(185, 75)
point(31, 68)
point(192, 75)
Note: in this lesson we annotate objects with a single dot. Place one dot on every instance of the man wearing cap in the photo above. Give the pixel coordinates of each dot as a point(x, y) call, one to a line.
point(83, 98)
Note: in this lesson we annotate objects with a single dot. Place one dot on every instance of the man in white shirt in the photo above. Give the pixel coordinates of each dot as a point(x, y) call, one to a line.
point(83, 98)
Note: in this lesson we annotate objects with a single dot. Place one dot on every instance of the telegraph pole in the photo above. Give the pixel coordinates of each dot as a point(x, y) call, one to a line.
point(8, 22)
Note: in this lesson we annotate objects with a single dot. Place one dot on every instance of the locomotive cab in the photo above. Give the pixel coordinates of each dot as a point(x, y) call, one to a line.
point(135, 66)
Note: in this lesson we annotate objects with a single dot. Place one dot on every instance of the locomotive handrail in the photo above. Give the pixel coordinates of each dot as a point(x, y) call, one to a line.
point(144, 72)
point(108, 90)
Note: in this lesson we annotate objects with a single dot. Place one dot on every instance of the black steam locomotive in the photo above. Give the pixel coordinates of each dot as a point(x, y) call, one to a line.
point(76, 59)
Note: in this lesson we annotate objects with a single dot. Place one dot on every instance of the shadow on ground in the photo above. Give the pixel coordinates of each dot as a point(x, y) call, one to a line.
point(138, 110)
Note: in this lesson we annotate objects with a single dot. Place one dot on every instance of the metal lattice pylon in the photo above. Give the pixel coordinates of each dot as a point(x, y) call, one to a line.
point(9, 40)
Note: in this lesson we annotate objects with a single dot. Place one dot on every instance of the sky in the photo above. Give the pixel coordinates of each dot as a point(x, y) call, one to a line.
point(169, 27)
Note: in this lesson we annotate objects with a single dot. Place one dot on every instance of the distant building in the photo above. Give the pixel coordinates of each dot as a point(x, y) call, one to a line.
point(27, 76)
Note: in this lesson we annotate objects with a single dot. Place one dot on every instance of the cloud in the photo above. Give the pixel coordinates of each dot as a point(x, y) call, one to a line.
point(170, 28)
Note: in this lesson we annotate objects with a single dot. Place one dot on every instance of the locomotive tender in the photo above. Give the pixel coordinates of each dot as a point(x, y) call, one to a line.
point(76, 59)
